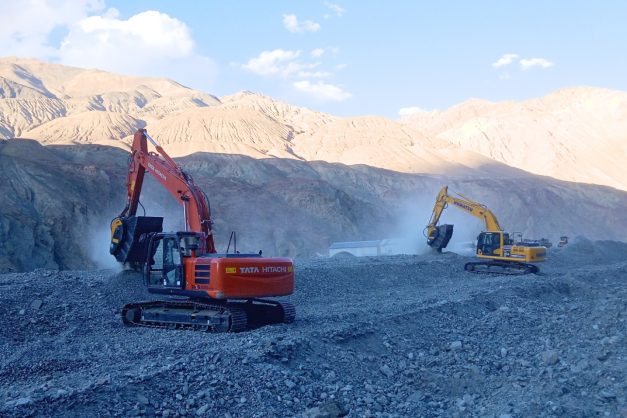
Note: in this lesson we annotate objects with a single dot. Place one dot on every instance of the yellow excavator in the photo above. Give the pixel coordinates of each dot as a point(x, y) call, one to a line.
point(497, 251)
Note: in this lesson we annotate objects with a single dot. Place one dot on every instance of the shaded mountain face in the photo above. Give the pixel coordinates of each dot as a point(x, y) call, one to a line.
point(58, 202)
point(46, 202)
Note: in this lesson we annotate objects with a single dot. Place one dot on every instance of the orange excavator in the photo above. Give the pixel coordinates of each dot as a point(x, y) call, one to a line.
point(212, 292)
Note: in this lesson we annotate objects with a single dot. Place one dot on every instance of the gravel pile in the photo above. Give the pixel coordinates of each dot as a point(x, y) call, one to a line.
point(399, 336)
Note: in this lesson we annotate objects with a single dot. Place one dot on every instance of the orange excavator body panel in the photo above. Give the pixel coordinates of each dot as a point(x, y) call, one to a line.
point(240, 277)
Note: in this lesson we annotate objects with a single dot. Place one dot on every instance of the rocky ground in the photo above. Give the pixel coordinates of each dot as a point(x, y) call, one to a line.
point(391, 336)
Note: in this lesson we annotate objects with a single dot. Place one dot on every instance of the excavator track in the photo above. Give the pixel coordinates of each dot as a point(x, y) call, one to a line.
point(501, 268)
point(263, 312)
point(207, 315)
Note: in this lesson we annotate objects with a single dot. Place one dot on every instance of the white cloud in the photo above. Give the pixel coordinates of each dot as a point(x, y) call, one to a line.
point(317, 53)
point(25, 26)
point(276, 62)
point(527, 64)
point(340, 67)
point(337, 9)
point(97, 39)
point(292, 24)
point(506, 59)
point(322, 91)
point(404, 111)
point(315, 74)
point(147, 44)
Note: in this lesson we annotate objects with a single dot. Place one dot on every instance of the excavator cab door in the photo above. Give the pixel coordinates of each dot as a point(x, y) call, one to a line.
point(488, 242)
point(164, 268)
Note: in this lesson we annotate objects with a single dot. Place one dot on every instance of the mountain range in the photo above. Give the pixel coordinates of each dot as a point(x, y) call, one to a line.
point(289, 179)
point(577, 134)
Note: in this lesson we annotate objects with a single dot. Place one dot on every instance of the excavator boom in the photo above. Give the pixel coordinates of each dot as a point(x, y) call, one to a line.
point(461, 202)
point(180, 185)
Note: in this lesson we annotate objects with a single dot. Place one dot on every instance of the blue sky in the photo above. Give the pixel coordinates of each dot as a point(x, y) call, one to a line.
point(342, 57)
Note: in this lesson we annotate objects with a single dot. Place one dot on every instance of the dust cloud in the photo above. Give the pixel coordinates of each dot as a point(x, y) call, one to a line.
point(465, 231)
point(413, 217)
point(155, 201)
point(98, 241)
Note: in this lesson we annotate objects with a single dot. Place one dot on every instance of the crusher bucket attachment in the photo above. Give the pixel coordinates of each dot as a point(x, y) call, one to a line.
point(128, 237)
point(440, 237)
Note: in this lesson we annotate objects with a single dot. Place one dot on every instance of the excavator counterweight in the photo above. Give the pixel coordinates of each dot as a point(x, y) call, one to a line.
point(214, 292)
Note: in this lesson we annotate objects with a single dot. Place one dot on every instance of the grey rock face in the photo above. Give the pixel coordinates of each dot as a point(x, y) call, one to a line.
point(58, 202)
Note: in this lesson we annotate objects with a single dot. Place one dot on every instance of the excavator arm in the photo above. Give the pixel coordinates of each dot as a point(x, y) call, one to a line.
point(438, 236)
point(475, 209)
point(438, 208)
point(174, 180)
point(127, 229)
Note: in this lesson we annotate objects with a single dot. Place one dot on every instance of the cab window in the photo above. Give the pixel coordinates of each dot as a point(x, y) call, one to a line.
point(156, 263)
point(171, 260)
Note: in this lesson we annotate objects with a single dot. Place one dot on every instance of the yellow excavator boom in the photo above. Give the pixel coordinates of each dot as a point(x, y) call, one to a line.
point(470, 206)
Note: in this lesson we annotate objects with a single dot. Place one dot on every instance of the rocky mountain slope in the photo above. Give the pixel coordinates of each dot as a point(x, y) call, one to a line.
point(60, 104)
point(59, 200)
point(577, 134)
point(57, 107)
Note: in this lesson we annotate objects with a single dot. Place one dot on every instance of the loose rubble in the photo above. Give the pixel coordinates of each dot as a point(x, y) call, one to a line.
point(398, 336)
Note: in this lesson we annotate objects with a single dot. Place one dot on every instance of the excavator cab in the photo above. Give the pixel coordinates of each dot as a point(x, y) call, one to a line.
point(488, 243)
point(494, 243)
point(165, 266)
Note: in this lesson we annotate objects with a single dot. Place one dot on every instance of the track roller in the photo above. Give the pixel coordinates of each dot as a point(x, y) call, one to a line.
point(207, 315)
point(500, 268)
